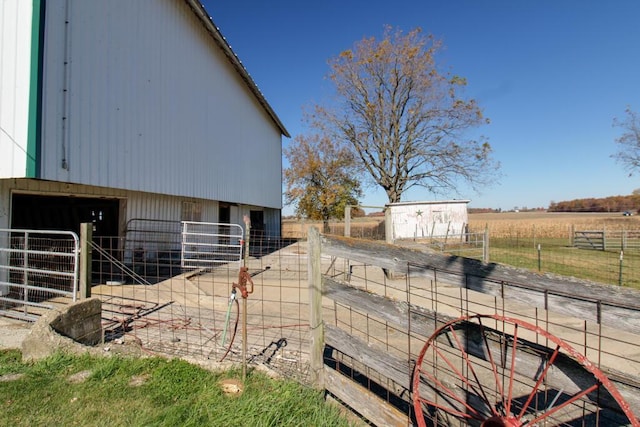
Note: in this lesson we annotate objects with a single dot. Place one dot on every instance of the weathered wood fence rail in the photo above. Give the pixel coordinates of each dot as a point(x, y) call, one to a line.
point(367, 334)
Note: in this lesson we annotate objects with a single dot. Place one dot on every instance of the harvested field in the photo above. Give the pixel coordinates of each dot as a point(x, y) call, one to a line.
point(504, 224)
point(549, 224)
point(365, 227)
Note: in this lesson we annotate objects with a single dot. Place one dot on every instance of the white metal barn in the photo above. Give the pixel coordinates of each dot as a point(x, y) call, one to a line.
point(415, 220)
point(115, 110)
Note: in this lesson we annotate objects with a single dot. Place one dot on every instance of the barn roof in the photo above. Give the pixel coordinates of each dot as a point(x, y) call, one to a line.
point(217, 36)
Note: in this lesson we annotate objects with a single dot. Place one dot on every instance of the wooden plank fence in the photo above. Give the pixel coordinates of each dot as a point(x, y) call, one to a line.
point(367, 357)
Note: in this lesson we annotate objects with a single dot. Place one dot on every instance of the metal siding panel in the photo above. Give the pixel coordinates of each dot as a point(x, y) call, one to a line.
point(5, 202)
point(154, 106)
point(15, 60)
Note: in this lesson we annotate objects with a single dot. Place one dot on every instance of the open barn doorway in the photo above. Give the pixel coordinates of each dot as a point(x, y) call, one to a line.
point(38, 212)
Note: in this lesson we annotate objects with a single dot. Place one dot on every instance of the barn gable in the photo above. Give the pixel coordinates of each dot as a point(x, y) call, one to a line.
point(137, 99)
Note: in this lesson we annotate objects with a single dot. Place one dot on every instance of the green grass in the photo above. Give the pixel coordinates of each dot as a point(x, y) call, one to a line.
point(172, 393)
point(556, 256)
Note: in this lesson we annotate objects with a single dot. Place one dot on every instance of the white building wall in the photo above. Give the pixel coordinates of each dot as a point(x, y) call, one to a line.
point(134, 204)
point(147, 102)
point(15, 62)
point(425, 219)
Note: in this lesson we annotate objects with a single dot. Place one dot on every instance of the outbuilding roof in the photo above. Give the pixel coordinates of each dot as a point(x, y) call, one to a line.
point(217, 36)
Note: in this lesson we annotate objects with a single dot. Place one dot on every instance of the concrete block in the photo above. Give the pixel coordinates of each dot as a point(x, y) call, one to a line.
point(72, 329)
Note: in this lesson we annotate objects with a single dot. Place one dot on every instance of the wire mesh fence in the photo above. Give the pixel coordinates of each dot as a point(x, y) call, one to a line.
point(550, 247)
point(560, 256)
point(378, 325)
point(198, 312)
point(376, 320)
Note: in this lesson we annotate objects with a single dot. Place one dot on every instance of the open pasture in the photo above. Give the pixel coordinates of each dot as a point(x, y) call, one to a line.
point(541, 241)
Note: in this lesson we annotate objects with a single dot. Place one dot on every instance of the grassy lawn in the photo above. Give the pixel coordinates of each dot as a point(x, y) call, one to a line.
point(116, 391)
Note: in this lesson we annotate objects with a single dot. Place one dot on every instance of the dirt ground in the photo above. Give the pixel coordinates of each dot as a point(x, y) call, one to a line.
point(12, 332)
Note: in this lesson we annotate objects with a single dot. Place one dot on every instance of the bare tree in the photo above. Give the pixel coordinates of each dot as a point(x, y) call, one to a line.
point(628, 153)
point(321, 179)
point(403, 118)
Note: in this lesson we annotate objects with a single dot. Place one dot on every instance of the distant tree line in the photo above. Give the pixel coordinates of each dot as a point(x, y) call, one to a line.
point(607, 204)
point(498, 210)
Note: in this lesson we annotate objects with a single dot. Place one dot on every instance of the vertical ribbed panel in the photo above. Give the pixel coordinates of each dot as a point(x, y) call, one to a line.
point(138, 96)
point(138, 205)
point(15, 60)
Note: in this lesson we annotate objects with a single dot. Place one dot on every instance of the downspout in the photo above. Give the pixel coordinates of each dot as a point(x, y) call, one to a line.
point(65, 89)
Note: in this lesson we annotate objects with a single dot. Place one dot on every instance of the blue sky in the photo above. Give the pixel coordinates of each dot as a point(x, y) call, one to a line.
point(551, 75)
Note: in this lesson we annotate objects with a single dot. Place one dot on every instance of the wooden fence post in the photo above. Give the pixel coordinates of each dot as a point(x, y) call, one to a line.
point(347, 221)
point(572, 233)
point(315, 309)
point(84, 281)
point(388, 226)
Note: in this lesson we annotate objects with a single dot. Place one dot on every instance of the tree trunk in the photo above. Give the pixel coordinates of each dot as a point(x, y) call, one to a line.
point(325, 226)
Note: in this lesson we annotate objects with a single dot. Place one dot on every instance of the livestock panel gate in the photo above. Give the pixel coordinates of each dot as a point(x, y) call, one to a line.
point(38, 271)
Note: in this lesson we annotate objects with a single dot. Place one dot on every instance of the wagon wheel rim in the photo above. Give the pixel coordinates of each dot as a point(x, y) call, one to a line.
point(494, 402)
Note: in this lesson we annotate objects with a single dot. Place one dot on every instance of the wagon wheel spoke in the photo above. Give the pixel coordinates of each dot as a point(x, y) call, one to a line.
point(554, 409)
point(512, 371)
point(470, 362)
point(494, 367)
point(479, 389)
point(448, 395)
point(541, 378)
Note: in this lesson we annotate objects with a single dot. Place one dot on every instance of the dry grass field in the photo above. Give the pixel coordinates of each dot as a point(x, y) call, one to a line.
point(539, 241)
point(549, 225)
point(367, 227)
point(506, 224)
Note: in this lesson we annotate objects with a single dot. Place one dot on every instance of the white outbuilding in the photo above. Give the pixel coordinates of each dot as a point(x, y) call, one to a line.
point(416, 220)
point(112, 111)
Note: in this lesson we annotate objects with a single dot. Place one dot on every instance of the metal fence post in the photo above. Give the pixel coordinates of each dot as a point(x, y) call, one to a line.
point(485, 246)
point(315, 310)
point(84, 282)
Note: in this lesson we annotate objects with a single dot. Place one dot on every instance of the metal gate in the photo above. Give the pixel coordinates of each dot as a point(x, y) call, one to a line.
point(38, 269)
point(206, 245)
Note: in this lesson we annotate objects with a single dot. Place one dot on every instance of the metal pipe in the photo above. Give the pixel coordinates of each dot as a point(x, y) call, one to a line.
point(247, 232)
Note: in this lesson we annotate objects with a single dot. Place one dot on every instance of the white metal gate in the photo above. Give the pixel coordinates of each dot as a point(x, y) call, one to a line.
point(38, 268)
point(206, 245)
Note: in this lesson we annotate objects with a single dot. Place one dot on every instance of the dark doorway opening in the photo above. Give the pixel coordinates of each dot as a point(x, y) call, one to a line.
point(65, 213)
point(224, 213)
point(257, 225)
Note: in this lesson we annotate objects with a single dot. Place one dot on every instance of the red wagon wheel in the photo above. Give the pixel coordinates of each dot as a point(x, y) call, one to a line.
point(492, 370)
